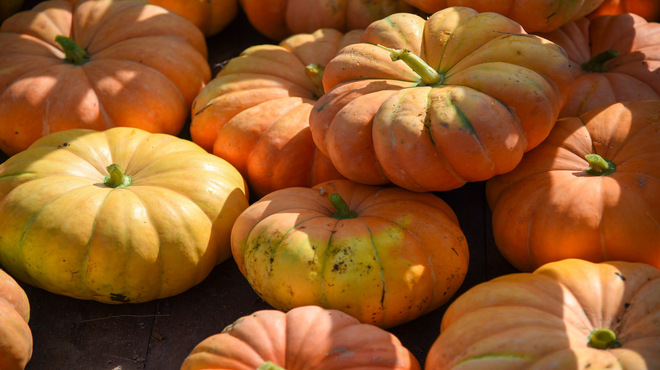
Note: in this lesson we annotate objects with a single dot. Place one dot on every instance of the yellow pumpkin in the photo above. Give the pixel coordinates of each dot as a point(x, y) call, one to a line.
point(120, 215)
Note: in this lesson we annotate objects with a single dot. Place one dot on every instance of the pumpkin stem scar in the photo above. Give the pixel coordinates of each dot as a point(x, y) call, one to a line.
point(314, 72)
point(599, 166)
point(342, 210)
point(603, 339)
point(597, 63)
point(117, 178)
point(428, 75)
point(73, 53)
point(269, 366)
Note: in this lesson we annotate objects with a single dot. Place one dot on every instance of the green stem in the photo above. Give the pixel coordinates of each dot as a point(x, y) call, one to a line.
point(341, 207)
point(117, 178)
point(597, 63)
point(599, 166)
point(73, 53)
point(428, 75)
point(315, 74)
point(603, 339)
point(269, 366)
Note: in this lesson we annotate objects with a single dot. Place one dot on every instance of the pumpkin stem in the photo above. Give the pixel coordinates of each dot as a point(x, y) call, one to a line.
point(341, 207)
point(117, 178)
point(603, 339)
point(269, 366)
point(428, 75)
point(315, 74)
point(597, 63)
point(73, 53)
point(599, 166)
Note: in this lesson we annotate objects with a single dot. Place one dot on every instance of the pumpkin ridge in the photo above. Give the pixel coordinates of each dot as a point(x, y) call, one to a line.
point(82, 281)
point(380, 269)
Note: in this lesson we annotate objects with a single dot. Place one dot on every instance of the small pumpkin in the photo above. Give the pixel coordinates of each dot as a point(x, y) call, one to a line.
point(649, 9)
point(255, 112)
point(307, 337)
point(616, 58)
point(278, 19)
point(16, 342)
point(430, 104)
point(533, 15)
point(590, 191)
point(566, 315)
point(120, 215)
point(384, 255)
point(97, 65)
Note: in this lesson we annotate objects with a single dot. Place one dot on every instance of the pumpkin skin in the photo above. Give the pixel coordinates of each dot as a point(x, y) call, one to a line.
point(140, 74)
point(211, 16)
point(602, 77)
point(278, 19)
point(15, 335)
point(400, 255)
point(69, 229)
point(557, 204)
point(307, 337)
point(649, 9)
point(534, 15)
point(543, 320)
point(486, 94)
point(255, 112)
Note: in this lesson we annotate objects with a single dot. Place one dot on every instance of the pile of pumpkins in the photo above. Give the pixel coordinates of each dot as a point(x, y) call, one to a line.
point(313, 162)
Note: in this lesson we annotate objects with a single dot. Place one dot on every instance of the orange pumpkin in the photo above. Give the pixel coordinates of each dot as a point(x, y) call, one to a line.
point(15, 334)
point(454, 98)
point(278, 19)
point(255, 112)
point(211, 16)
point(566, 315)
point(590, 191)
point(384, 255)
point(649, 9)
point(307, 337)
point(96, 65)
point(616, 58)
point(533, 15)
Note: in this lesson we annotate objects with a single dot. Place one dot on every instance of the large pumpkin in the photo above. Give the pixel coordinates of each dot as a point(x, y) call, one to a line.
point(566, 315)
point(649, 9)
point(15, 334)
point(533, 15)
point(255, 112)
point(307, 337)
point(116, 216)
point(97, 65)
point(384, 255)
point(590, 191)
point(454, 98)
point(616, 58)
point(211, 16)
point(278, 19)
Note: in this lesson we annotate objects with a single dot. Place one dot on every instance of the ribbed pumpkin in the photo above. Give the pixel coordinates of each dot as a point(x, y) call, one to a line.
point(120, 215)
point(566, 315)
point(454, 98)
point(15, 334)
point(97, 65)
point(255, 112)
point(590, 191)
point(616, 58)
point(278, 19)
point(533, 15)
point(649, 9)
point(303, 338)
point(384, 255)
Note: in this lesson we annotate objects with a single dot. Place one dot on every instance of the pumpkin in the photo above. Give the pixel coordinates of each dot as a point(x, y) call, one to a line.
point(120, 215)
point(15, 334)
point(9, 7)
point(533, 15)
point(649, 9)
point(211, 16)
point(569, 314)
point(96, 65)
point(278, 19)
point(307, 337)
point(589, 191)
point(255, 112)
point(384, 255)
point(616, 58)
point(430, 104)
